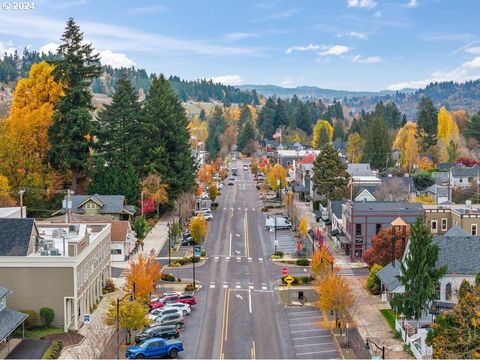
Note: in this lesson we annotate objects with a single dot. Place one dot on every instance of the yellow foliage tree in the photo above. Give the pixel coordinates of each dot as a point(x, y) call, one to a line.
point(144, 273)
point(253, 112)
point(154, 189)
point(132, 315)
point(322, 261)
point(198, 228)
point(198, 131)
point(317, 141)
point(232, 113)
point(5, 197)
point(354, 148)
point(277, 177)
point(406, 142)
point(425, 200)
point(447, 131)
point(205, 174)
point(303, 227)
point(24, 138)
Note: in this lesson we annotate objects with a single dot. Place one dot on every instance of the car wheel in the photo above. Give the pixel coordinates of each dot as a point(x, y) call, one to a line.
point(140, 356)
point(173, 354)
point(178, 325)
point(185, 313)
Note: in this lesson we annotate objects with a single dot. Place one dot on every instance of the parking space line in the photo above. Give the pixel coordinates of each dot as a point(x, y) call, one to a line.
point(303, 312)
point(303, 324)
point(319, 344)
point(299, 331)
point(317, 352)
point(311, 337)
point(307, 317)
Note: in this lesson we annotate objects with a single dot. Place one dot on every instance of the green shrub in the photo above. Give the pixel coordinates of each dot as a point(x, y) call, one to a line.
point(197, 259)
point(264, 209)
point(302, 262)
point(46, 316)
point(304, 279)
point(168, 277)
point(189, 287)
point(204, 253)
point(278, 253)
point(109, 286)
point(32, 320)
point(373, 282)
point(275, 256)
point(182, 261)
point(179, 280)
point(54, 350)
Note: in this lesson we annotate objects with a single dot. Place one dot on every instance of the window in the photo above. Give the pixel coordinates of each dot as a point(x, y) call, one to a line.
point(474, 229)
point(444, 224)
point(116, 251)
point(448, 291)
point(433, 225)
point(461, 180)
point(378, 227)
point(358, 229)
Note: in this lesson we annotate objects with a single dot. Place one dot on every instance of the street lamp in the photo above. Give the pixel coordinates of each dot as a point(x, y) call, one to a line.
point(132, 297)
point(169, 238)
point(330, 262)
point(367, 347)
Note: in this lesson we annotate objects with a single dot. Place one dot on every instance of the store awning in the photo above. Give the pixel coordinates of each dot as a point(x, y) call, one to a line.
point(343, 240)
point(301, 188)
point(335, 232)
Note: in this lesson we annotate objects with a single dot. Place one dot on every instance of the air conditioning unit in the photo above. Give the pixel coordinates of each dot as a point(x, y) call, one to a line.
point(54, 252)
point(48, 244)
point(43, 252)
point(58, 233)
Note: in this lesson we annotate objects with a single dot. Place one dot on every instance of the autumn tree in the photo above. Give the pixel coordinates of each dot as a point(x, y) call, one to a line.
point(303, 227)
point(381, 250)
point(69, 133)
point(205, 174)
point(212, 192)
point(5, 196)
point(373, 282)
point(406, 142)
point(132, 315)
point(155, 189)
point(354, 148)
point(448, 136)
point(322, 262)
point(277, 177)
point(198, 228)
point(322, 134)
point(144, 273)
point(24, 136)
point(198, 131)
point(456, 335)
point(330, 176)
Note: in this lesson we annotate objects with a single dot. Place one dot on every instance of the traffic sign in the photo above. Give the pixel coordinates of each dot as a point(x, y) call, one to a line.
point(284, 271)
point(289, 279)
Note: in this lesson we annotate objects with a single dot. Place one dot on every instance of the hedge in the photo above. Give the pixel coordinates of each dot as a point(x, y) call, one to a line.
point(54, 350)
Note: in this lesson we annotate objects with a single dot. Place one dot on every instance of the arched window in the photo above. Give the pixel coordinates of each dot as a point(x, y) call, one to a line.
point(448, 291)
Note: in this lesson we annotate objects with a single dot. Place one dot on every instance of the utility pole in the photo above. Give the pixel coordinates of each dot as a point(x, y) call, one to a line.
point(141, 200)
point(21, 192)
point(69, 205)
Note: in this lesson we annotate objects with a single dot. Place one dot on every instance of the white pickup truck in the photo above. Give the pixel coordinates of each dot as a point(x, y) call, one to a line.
point(278, 222)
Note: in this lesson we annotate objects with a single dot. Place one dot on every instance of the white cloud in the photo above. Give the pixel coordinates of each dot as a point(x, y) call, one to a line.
point(107, 57)
point(469, 70)
point(334, 50)
point(239, 36)
point(473, 50)
point(412, 4)
point(310, 47)
point(361, 3)
point(228, 79)
point(367, 60)
point(6, 47)
point(50, 47)
point(358, 35)
point(153, 9)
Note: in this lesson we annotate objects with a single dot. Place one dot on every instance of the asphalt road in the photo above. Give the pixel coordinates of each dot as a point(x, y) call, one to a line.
point(238, 315)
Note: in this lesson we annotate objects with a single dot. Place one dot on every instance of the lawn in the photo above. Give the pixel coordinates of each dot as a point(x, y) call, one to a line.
point(39, 332)
point(390, 317)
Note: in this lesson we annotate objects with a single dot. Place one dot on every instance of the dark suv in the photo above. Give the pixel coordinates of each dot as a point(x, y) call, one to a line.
point(165, 332)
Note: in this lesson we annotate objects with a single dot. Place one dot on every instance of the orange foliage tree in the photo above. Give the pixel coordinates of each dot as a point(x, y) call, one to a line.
point(154, 189)
point(205, 174)
point(381, 250)
point(144, 273)
point(321, 263)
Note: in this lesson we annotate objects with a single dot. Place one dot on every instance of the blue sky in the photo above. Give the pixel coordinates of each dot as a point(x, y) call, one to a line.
point(339, 44)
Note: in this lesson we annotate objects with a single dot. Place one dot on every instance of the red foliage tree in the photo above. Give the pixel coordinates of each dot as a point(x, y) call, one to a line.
point(469, 162)
point(148, 205)
point(381, 250)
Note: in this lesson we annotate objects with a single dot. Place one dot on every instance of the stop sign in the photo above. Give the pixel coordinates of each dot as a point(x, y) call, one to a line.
point(284, 271)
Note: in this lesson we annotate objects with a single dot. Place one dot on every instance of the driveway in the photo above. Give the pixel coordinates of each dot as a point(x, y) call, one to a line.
point(30, 349)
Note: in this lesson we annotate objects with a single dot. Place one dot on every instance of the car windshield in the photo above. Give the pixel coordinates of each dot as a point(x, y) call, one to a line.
point(143, 344)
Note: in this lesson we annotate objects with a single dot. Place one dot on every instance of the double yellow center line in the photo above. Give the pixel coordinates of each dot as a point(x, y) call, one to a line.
point(245, 224)
point(226, 304)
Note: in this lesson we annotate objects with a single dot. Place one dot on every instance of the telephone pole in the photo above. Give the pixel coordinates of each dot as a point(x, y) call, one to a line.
point(21, 192)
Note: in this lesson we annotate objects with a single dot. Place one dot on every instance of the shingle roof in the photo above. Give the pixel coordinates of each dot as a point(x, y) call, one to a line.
point(445, 166)
point(112, 204)
point(458, 253)
point(15, 236)
point(456, 231)
point(388, 276)
point(336, 206)
point(4, 291)
point(460, 170)
point(119, 230)
point(359, 169)
point(388, 206)
point(9, 321)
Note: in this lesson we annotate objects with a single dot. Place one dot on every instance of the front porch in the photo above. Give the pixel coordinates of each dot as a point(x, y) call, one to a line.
point(414, 334)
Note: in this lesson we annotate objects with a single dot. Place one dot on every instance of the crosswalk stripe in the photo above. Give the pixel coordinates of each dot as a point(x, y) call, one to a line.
point(264, 288)
point(212, 286)
point(238, 286)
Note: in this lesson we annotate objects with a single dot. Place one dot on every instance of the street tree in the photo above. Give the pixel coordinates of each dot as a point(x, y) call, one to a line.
point(205, 174)
point(381, 250)
point(419, 274)
point(322, 134)
point(330, 176)
point(153, 188)
point(212, 192)
point(198, 228)
point(321, 263)
point(373, 282)
point(132, 315)
point(277, 177)
point(144, 273)
point(303, 227)
point(354, 148)
point(69, 133)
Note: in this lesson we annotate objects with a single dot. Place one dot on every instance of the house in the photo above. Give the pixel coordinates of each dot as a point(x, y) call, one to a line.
point(303, 176)
point(61, 266)
point(362, 175)
point(363, 220)
point(113, 205)
point(445, 166)
point(441, 218)
point(13, 212)
point(334, 210)
point(462, 176)
point(390, 284)
point(122, 240)
point(365, 195)
point(286, 158)
point(10, 319)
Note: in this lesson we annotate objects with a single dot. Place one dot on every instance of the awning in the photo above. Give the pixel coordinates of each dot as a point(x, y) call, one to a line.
point(438, 306)
point(334, 232)
point(301, 188)
point(343, 240)
point(9, 321)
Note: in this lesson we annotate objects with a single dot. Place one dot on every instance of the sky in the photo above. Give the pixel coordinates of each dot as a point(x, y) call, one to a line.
point(338, 44)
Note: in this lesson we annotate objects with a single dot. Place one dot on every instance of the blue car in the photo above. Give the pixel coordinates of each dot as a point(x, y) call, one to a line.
point(154, 348)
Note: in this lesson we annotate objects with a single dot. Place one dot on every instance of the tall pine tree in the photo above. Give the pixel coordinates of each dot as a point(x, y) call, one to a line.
point(378, 144)
point(119, 179)
point(246, 137)
point(419, 274)
point(427, 121)
point(330, 176)
point(245, 116)
point(265, 119)
point(69, 134)
point(167, 140)
point(216, 127)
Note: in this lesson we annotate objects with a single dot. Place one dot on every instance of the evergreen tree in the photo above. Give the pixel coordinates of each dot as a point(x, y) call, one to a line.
point(427, 120)
point(358, 126)
point(338, 131)
point(404, 120)
point(419, 274)
point(116, 180)
point(167, 139)
point(265, 118)
point(378, 144)
point(245, 138)
point(330, 176)
point(303, 119)
point(474, 127)
point(280, 119)
point(119, 128)
point(245, 116)
point(202, 115)
point(323, 138)
point(216, 127)
point(69, 134)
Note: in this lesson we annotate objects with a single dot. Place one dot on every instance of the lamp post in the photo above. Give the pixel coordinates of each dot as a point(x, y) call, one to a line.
point(169, 239)
point(330, 262)
point(367, 347)
point(132, 297)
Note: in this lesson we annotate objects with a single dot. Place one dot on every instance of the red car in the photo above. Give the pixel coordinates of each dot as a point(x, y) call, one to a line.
point(160, 302)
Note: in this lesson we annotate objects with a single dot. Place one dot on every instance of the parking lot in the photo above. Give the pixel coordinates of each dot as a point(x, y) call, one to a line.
point(286, 244)
point(310, 341)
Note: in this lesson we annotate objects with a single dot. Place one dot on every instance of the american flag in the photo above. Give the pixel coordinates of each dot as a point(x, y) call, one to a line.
point(278, 134)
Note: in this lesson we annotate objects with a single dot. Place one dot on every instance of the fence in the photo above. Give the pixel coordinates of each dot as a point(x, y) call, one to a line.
point(414, 334)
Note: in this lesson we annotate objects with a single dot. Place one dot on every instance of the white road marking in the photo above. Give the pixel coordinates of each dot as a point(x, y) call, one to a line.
point(238, 287)
point(311, 337)
point(230, 247)
point(239, 209)
point(217, 258)
point(319, 344)
point(264, 288)
point(224, 208)
point(307, 317)
point(249, 259)
point(299, 331)
point(239, 258)
point(260, 259)
point(253, 209)
point(239, 296)
point(303, 324)
point(225, 286)
point(231, 208)
point(250, 300)
point(251, 287)
point(227, 258)
point(212, 286)
point(317, 352)
point(303, 312)
point(237, 235)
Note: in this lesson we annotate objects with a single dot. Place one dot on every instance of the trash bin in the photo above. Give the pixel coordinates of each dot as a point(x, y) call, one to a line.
point(300, 296)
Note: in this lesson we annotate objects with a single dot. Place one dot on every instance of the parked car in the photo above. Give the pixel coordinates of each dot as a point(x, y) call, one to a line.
point(277, 222)
point(170, 319)
point(188, 299)
point(155, 313)
point(245, 167)
point(153, 348)
point(187, 242)
point(160, 302)
point(270, 196)
point(231, 181)
point(206, 210)
point(168, 293)
point(208, 216)
point(204, 196)
point(220, 186)
point(163, 331)
point(184, 308)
